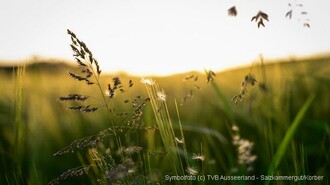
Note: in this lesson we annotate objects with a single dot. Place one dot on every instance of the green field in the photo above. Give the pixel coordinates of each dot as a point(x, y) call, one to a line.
point(286, 115)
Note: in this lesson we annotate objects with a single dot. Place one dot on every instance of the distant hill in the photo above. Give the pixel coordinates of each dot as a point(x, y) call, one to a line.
point(57, 65)
point(42, 65)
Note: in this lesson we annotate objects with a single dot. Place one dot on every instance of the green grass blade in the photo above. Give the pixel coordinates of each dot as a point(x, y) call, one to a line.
point(288, 137)
point(20, 130)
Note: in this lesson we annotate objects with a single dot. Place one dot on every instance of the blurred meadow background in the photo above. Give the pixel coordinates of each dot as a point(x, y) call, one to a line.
point(35, 123)
point(178, 88)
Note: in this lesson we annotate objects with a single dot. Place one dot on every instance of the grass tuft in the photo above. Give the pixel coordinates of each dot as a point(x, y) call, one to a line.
point(288, 137)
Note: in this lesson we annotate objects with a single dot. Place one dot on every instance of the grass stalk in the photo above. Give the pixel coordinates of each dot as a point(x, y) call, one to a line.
point(165, 127)
point(19, 139)
point(182, 135)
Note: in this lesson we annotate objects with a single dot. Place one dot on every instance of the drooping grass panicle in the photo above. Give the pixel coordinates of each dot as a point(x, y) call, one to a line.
point(193, 79)
point(262, 82)
point(259, 18)
point(81, 108)
point(80, 78)
point(187, 97)
point(90, 71)
point(137, 113)
point(87, 142)
point(71, 173)
point(73, 97)
point(82, 54)
point(297, 9)
point(248, 80)
point(116, 85)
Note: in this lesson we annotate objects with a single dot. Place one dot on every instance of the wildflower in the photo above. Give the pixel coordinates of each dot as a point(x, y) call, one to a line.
point(244, 149)
point(192, 171)
point(161, 95)
point(198, 157)
point(235, 128)
point(107, 92)
point(147, 81)
point(180, 141)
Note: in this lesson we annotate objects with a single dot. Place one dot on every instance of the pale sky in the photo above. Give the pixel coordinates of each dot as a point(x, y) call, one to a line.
point(163, 36)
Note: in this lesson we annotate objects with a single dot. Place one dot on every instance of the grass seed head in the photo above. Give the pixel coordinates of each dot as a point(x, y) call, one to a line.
point(161, 95)
point(70, 173)
point(147, 81)
point(73, 97)
point(192, 171)
point(179, 141)
point(210, 76)
point(232, 11)
point(259, 18)
point(249, 79)
point(199, 157)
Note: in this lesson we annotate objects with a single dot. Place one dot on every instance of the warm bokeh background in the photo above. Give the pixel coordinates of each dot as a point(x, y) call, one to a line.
point(168, 40)
point(263, 117)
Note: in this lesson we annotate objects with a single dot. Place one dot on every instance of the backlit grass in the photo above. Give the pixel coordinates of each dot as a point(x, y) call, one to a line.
point(289, 136)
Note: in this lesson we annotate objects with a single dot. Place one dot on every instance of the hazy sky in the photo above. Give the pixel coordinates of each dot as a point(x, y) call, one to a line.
point(163, 36)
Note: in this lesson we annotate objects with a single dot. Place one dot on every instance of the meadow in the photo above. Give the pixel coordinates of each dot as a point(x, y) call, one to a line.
point(269, 118)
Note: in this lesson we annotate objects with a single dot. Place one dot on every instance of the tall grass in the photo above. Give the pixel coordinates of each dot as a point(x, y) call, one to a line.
point(20, 128)
point(164, 123)
point(282, 148)
point(144, 134)
point(16, 174)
